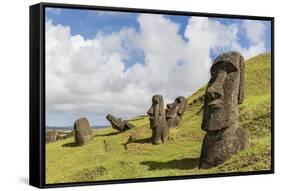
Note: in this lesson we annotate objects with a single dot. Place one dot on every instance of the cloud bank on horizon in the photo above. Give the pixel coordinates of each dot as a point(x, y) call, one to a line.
point(118, 71)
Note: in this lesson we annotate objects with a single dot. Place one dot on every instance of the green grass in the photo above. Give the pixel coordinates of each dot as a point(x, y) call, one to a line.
point(111, 156)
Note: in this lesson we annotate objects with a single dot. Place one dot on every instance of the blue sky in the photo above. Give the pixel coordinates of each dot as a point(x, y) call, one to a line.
point(89, 22)
point(123, 41)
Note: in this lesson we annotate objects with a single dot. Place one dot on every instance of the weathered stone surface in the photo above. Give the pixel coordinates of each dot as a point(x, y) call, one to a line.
point(157, 118)
point(224, 92)
point(175, 111)
point(118, 124)
point(82, 131)
point(51, 136)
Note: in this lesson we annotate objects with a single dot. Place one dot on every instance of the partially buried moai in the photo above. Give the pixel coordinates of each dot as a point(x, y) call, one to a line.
point(223, 94)
point(82, 131)
point(118, 124)
point(175, 111)
point(158, 124)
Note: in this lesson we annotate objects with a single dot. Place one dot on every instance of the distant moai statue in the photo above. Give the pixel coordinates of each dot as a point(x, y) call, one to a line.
point(82, 131)
point(51, 136)
point(175, 111)
point(224, 92)
point(158, 124)
point(118, 124)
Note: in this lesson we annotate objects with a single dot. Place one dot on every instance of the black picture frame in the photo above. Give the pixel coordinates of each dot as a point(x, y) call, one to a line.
point(37, 94)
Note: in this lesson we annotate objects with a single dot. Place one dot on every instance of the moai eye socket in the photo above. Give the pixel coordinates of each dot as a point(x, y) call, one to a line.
point(154, 101)
point(225, 66)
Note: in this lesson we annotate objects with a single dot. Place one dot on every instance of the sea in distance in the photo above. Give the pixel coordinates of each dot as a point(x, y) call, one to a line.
point(69, 128)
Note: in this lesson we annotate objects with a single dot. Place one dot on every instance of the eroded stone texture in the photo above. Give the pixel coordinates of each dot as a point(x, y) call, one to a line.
point(175, 111)
point(157, 118)
point(224, 92)
point(82, 131)
point(118, 124)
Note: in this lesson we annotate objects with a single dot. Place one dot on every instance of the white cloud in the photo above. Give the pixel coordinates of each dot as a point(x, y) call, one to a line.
point(55, 11)
point(255, 33)
point(255, 30)
point(90, 76)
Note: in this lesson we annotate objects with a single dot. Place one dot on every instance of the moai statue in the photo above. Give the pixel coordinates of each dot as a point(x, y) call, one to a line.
point(175, 111)
point(51, 136)
point(224, 92)
point(118, 124)
point(158, 124)
point(82, 131)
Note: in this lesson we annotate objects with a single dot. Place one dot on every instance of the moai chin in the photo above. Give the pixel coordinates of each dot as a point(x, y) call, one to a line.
point(175, 111)
point(225, 91)
point(158, 124)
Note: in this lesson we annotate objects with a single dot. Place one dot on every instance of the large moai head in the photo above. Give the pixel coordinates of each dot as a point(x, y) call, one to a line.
point(224, 92)
point(181, 102)
point(82, 131)
point(156, 111)
point(157, 120)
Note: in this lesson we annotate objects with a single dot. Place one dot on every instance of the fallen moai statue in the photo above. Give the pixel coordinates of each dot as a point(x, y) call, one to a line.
point(118, 124)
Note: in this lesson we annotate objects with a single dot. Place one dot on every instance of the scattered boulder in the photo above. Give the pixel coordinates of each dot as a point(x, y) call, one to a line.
point(224, 92)
point(82, 131)
point(157, 119)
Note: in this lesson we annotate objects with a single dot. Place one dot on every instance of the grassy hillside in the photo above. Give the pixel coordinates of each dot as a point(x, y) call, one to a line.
point(111, 156)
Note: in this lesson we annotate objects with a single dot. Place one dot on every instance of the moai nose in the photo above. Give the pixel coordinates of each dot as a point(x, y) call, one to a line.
point(214, 92)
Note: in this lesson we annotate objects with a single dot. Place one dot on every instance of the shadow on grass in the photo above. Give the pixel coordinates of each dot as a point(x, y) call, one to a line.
point(184, 164)
point(107, 134)
point(142, 141)
point(72, 144)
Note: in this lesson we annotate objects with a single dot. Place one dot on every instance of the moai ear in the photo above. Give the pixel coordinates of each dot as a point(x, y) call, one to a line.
point(241, 82)
point(182, 107)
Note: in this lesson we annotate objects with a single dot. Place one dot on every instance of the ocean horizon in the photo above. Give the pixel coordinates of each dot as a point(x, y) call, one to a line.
point(71, 127)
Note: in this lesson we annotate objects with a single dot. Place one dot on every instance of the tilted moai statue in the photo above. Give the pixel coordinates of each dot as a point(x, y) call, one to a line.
point(175, 111)
point(158, 124)
point(82, 131)
point(224, 92)
point(118, 124)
